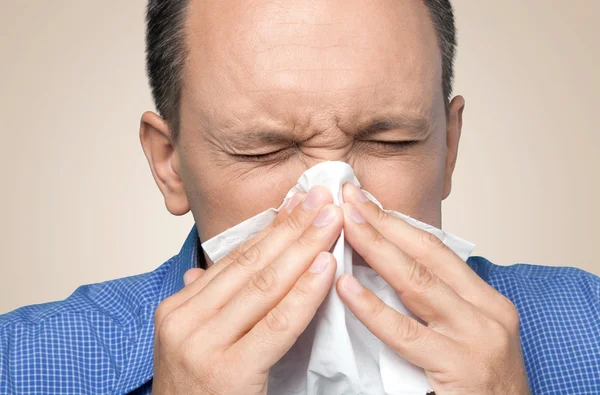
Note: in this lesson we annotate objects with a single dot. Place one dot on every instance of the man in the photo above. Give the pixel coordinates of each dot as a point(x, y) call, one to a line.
point(250, 95)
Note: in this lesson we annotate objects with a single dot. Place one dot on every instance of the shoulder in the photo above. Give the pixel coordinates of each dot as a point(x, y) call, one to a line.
point(117, 300)
point(561, 296)
point(558, 285)
point(559, 311)
point(83, 342)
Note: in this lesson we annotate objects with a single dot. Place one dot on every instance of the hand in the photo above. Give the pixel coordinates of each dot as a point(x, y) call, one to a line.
point(470, 342)
point(222, 333)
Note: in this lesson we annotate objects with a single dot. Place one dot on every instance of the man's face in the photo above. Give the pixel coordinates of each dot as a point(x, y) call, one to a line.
point(271, 88)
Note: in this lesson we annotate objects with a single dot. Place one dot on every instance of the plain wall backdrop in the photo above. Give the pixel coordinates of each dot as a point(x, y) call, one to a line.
point(79, 205)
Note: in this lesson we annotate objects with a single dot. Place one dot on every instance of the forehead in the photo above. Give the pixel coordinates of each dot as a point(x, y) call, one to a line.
point(279, 58)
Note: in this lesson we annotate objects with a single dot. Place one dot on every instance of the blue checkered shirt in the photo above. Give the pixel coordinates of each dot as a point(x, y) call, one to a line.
point(100, 339)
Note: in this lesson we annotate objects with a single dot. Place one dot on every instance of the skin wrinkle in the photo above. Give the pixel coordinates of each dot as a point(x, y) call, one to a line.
point(308, 70)
point(309, 24)
point(319, 91)
point(295, 45)
point(316, 75)
point(399, 127)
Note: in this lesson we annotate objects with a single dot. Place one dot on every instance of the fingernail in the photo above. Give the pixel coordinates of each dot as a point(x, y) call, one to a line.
point(325, 217)
point(353, 213)
point(359, 195)
point(320, 263)
point(312, 199)
point(352, 284)
point(294, 201)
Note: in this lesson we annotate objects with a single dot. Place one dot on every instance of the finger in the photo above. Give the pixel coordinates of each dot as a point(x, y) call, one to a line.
point(275, 334)
point(423, 247)
point(267, 287)
point(413, 341)
point(280, 219)
point(192, 275)
point(282, 215)
point(225, 284)
point(419, 288)
point(198, 284)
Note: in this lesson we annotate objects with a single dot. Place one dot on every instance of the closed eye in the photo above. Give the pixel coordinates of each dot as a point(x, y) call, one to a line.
point(284, 153)
point(266, 156)
point(394, 144)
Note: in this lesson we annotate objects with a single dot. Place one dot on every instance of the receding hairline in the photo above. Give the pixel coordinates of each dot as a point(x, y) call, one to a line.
point(167, 52)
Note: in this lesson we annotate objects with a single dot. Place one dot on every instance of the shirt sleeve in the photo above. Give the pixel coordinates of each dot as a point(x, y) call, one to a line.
point(75, 352)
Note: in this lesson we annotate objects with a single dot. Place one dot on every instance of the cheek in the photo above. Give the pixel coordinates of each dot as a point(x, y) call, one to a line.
point(411, 184)
point(223, 196)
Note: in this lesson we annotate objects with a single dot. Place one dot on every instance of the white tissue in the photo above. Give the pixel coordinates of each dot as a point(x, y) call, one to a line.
point(337, 354)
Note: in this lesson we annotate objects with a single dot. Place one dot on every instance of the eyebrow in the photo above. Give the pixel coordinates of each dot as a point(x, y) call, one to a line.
point(260, 136)
point(415, 126)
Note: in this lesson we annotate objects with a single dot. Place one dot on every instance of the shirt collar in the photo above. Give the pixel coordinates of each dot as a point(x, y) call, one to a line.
point(140, 367)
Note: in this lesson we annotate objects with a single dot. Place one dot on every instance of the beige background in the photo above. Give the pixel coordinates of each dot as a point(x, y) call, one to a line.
point(79, 205)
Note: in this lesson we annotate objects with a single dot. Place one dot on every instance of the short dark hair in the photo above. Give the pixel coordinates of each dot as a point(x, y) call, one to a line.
point(166, 51)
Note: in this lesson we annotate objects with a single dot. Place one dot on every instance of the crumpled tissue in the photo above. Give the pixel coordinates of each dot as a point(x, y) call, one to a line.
point(337, 354)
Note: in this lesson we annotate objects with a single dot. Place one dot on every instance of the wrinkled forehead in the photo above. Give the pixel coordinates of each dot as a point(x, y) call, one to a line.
point(274, 58)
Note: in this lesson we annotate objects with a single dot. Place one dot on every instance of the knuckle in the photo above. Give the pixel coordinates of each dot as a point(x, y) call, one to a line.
point(279, 219)
point(168, 329)
point(264, 281)
point(510, 314)
point(307, 239)
point(429, 241)
point(406, 329)
point(235, 254)
point(377, 309)
point(499, 337)
point(378, 239)
point(294, 223)
point(382, 216)
point(420, 276)
point(375, 242)
point(301, 291)
point(161, 311)
point(249, 258)
point(277, 320)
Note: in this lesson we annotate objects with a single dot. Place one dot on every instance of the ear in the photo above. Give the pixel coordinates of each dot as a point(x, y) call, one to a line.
point(453, 131)
point(163, 158)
